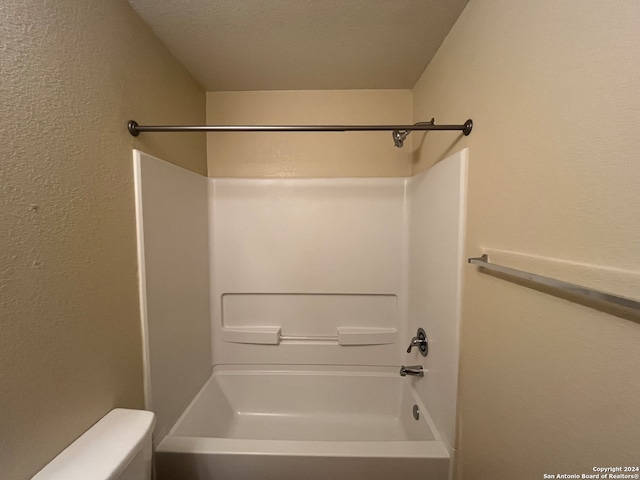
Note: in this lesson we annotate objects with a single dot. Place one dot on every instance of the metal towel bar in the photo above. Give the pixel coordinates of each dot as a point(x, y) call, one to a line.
point(581, 290)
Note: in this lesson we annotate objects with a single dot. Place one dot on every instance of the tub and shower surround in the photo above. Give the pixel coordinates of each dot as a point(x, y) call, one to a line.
point(316, 287)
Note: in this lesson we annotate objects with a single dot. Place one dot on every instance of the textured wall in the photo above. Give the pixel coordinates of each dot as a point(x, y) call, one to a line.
point(295, 154)
point(72, 74)
point(547, 386)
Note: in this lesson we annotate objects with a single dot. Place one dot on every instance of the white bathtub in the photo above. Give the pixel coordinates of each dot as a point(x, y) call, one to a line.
point(318, 423)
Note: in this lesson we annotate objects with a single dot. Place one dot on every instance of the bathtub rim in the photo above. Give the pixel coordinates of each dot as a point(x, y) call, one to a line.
point(305, 448)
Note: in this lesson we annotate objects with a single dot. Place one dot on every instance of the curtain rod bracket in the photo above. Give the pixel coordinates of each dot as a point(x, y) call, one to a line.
point(133, 128)
point(468, 126)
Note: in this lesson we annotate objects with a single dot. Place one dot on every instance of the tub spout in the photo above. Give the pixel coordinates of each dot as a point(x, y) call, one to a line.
point(413, 370)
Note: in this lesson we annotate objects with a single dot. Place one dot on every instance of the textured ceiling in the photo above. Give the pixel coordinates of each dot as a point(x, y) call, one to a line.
point(302, 44)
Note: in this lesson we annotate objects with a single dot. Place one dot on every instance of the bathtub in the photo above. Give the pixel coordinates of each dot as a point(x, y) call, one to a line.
point(317, 423)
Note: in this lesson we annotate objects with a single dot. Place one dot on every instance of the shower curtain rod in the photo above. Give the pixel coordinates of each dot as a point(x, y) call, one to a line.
point(136, 129)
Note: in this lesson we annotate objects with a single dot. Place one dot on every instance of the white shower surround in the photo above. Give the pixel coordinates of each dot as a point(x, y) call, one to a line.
point(314, 258)
point(171, 217)
point(310, 256)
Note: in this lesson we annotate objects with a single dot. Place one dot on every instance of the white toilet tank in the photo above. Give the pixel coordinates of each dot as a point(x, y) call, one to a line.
point(118, 447)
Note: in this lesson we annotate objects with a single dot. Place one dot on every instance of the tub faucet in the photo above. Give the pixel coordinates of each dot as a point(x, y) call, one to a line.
point(413, 370)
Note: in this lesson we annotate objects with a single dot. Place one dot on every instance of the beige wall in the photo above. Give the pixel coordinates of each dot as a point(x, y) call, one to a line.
point(73, 73)
point(547, 386)
point(350, 154)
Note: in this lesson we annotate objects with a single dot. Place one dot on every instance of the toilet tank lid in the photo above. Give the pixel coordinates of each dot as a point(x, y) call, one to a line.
point(105, 450)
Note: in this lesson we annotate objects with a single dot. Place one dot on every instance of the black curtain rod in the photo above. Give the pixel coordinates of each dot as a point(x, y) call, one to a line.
point(136, 129)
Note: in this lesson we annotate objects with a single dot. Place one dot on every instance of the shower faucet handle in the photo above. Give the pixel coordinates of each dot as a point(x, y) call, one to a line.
point(420, 341)
point(415, 342)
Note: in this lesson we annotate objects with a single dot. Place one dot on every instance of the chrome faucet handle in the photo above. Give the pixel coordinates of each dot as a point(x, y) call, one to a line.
point(420, 341)
point(415, 342)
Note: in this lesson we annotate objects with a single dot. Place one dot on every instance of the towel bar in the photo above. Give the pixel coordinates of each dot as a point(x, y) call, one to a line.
point(573, 288)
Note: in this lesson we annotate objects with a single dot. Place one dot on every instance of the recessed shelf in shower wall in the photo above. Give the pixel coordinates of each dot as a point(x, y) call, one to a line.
point(344, 319)
point(346, 336)
point(255, 335)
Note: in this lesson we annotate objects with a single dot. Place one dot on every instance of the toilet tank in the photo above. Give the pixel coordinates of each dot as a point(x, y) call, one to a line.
point(118, 447)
